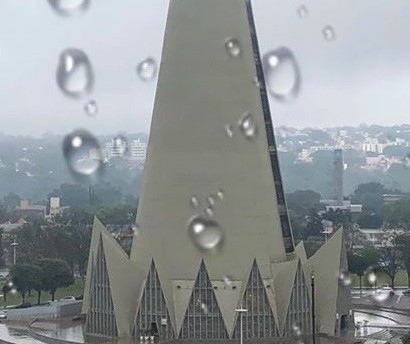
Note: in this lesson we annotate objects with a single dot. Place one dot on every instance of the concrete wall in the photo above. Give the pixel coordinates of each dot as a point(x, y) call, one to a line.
point(55, 310)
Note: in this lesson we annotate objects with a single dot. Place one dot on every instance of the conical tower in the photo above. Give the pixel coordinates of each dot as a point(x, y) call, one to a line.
point(211, 155)
point(213, 231)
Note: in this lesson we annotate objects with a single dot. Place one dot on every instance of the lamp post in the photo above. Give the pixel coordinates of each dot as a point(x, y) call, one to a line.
point(14, 244)
point(241, 311)
point(312, 279)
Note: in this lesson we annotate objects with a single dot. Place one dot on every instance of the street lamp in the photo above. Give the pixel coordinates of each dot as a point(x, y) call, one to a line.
point(312, 279)
point(14, 244)
point(241, 311)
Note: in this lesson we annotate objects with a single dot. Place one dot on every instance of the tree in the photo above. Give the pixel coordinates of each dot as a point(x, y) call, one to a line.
point(370, 195)
point(397, 214)
point(390, 260)
point(56, 274)
point(371, 255)
point(403, 246)
point(26, 277)
point(5, 289)
point(357, 265)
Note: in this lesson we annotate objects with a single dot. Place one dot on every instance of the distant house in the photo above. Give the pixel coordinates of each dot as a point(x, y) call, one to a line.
point(30, 211)
point(9, 226)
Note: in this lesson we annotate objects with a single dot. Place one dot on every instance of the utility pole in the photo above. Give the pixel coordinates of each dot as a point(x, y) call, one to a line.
point(312, 279)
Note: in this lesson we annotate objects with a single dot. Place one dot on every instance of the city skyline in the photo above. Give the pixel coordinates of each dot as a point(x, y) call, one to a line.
point(359, 76)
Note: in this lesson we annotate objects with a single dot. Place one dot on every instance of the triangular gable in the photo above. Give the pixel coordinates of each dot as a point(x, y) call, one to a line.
point(152, 315)
point(325, 264)
point(228, 296)
point(255, 302)
point(298, 318)
point(101, 320)
point(203, 317)
point(283, 278)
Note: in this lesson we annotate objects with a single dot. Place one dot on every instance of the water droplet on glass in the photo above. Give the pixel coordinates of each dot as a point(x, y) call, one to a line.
point(344, 278)
point(256, 82)
point(248, 126)
point(227, 280)
point(68, 7)
point(220, 194)
point(302, 11)
point(229, 130)
point(204, 308)
point(83, 155)
point(205, 233)
point(209, 211)
point(13, 291)
point(211, 200)
point(329, 33)
point(147, 69)
point(91, 108)
point(194, 202)
point(75, 76)
point(296, 330)
point(233, 47)
point(372, 278)
point(282, 74)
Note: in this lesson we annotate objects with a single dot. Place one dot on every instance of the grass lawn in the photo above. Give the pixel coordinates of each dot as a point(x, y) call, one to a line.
point(382, 278)
point(75, 289)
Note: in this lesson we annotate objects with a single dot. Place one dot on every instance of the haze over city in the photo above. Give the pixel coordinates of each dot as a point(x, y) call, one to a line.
point(362, 75)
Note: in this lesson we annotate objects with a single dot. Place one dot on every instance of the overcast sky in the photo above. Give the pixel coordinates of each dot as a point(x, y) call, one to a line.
point(361, 76)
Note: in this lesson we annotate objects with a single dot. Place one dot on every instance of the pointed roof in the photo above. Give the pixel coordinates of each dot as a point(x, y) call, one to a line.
point(122, 281)
point(284, 274)
point(190, 141)
point(326, 266)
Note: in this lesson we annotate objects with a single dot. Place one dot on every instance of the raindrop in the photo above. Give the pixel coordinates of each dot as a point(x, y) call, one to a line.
point(329, 33)
point(296, 330)
point(194, 201)
point(229, 130)
point(372, 278)
point(227, 280)
point(120, 145)
point(204, 308)
point(220, 194)
point(211, 200)
point(91, 108)
point(13, 291)
point(147, 69)
point(68, 7)
point(83, 155)
point(206, 234)
point(282, 74)
point(345, 279)
point(233, 47)
point(256, 82)
point(302, 11)
point(248, 126)
point(209, 211)
point(75, 75)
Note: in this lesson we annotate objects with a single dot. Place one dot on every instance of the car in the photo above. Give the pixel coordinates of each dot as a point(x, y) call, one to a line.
point(3, 315)
point(68, 298)
point(406, 292)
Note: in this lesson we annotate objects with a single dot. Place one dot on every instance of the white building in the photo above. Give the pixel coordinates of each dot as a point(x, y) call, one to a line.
point(138, 150)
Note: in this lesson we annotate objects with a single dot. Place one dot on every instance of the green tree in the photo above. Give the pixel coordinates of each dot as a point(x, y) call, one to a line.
point(397, 214)
point(371, 255)
point(5, 289)
point(55, 274)
point(403, 246)
point(26, 277)
point(357, 265)
point(406, 338)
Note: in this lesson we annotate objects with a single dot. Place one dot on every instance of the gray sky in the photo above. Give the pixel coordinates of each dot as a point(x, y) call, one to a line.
point(362, 76)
